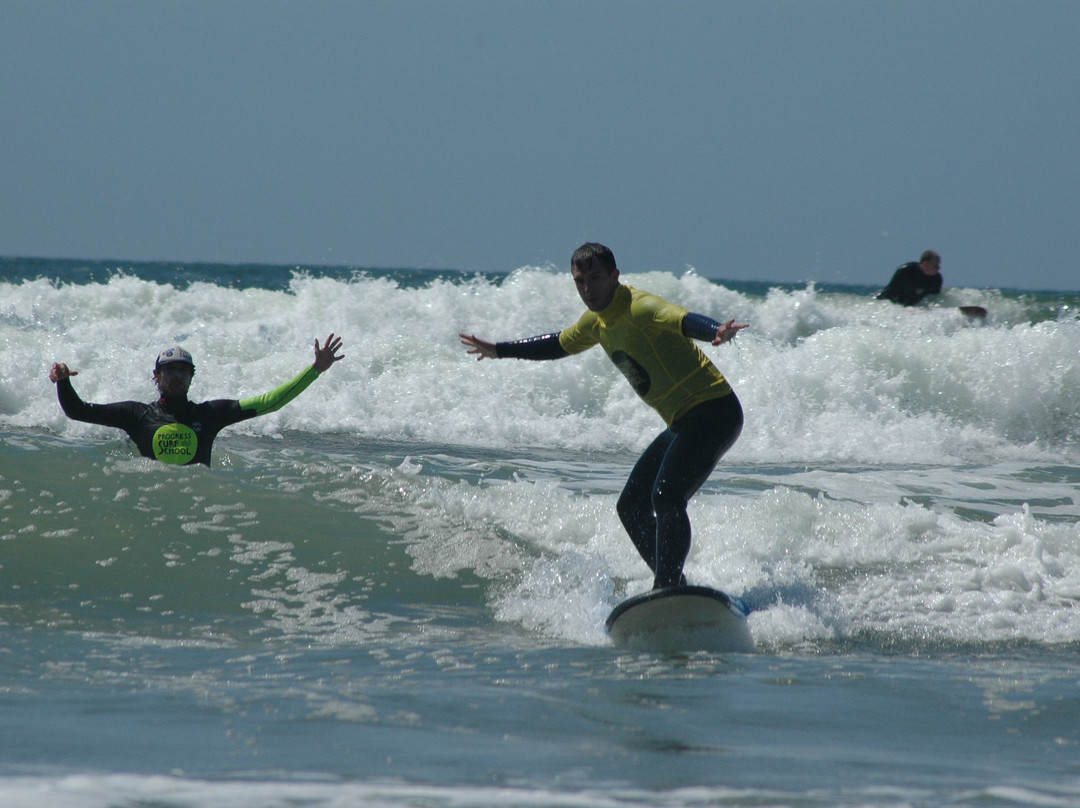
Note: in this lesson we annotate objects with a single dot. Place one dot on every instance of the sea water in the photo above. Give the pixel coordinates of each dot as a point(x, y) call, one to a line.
point(392, 591)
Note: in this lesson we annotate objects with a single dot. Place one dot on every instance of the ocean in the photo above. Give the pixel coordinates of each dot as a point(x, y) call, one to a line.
point(392, 592)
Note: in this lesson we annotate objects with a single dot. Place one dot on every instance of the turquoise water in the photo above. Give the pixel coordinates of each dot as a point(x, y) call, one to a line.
point(392, 592)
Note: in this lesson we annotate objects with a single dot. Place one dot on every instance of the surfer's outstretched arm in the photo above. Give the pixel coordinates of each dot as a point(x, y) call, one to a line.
point(545, 346)
point(325, 357)
point(706, 329)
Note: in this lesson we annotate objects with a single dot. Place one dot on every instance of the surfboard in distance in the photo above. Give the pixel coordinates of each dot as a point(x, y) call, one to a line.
point(973, 311)
point(680, 619)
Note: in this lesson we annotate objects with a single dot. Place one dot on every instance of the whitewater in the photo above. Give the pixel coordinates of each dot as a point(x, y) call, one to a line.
point(392, 591)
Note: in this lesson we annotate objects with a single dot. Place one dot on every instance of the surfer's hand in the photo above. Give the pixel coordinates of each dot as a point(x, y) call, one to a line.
point(482, 348)
point(59, 371)
point(728, 331)
point(324, 356)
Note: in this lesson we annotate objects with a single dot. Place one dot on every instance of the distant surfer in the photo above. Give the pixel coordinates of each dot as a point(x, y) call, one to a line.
point(173, 429)
point(650, 341)
point(914, 280)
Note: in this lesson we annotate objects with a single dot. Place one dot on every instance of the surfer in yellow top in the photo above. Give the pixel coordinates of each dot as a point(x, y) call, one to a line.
point(173, 429)
point(651, 341)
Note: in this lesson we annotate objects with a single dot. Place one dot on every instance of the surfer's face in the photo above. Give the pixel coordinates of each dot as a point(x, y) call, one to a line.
point(174, 379)
point(596, 286)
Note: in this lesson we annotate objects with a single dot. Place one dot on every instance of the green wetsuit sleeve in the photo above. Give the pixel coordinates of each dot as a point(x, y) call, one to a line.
point(280, 396)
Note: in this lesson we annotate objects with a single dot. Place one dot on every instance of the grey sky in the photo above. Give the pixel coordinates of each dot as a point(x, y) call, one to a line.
point(766, 140)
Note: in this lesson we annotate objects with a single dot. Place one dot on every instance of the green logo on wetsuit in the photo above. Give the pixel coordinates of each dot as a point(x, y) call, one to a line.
point(175, 443)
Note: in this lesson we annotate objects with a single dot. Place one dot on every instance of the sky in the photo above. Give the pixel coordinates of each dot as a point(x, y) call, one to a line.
point(823, 140)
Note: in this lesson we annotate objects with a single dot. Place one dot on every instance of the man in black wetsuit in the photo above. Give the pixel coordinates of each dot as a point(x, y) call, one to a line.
point(913, 281)
point(173, 429)
point(651, 341)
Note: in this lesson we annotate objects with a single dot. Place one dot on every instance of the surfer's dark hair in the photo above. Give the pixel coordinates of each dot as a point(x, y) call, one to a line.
point(592, 254)
point(929, 255)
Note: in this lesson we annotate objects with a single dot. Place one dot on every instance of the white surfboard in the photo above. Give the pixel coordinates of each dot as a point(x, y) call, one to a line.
point(681, 618)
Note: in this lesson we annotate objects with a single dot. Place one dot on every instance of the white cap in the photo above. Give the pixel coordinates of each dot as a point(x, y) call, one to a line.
point(174, 354)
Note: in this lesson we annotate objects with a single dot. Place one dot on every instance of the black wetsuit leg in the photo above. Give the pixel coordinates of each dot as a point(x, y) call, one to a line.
point(652, 506)
point(635, 507)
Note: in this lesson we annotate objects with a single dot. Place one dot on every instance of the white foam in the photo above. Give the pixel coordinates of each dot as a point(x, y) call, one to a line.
point(821, 376)
point(903, 421)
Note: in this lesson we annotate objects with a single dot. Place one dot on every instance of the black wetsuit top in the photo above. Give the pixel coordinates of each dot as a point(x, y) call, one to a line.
point(177, 431)
point(910, 284)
